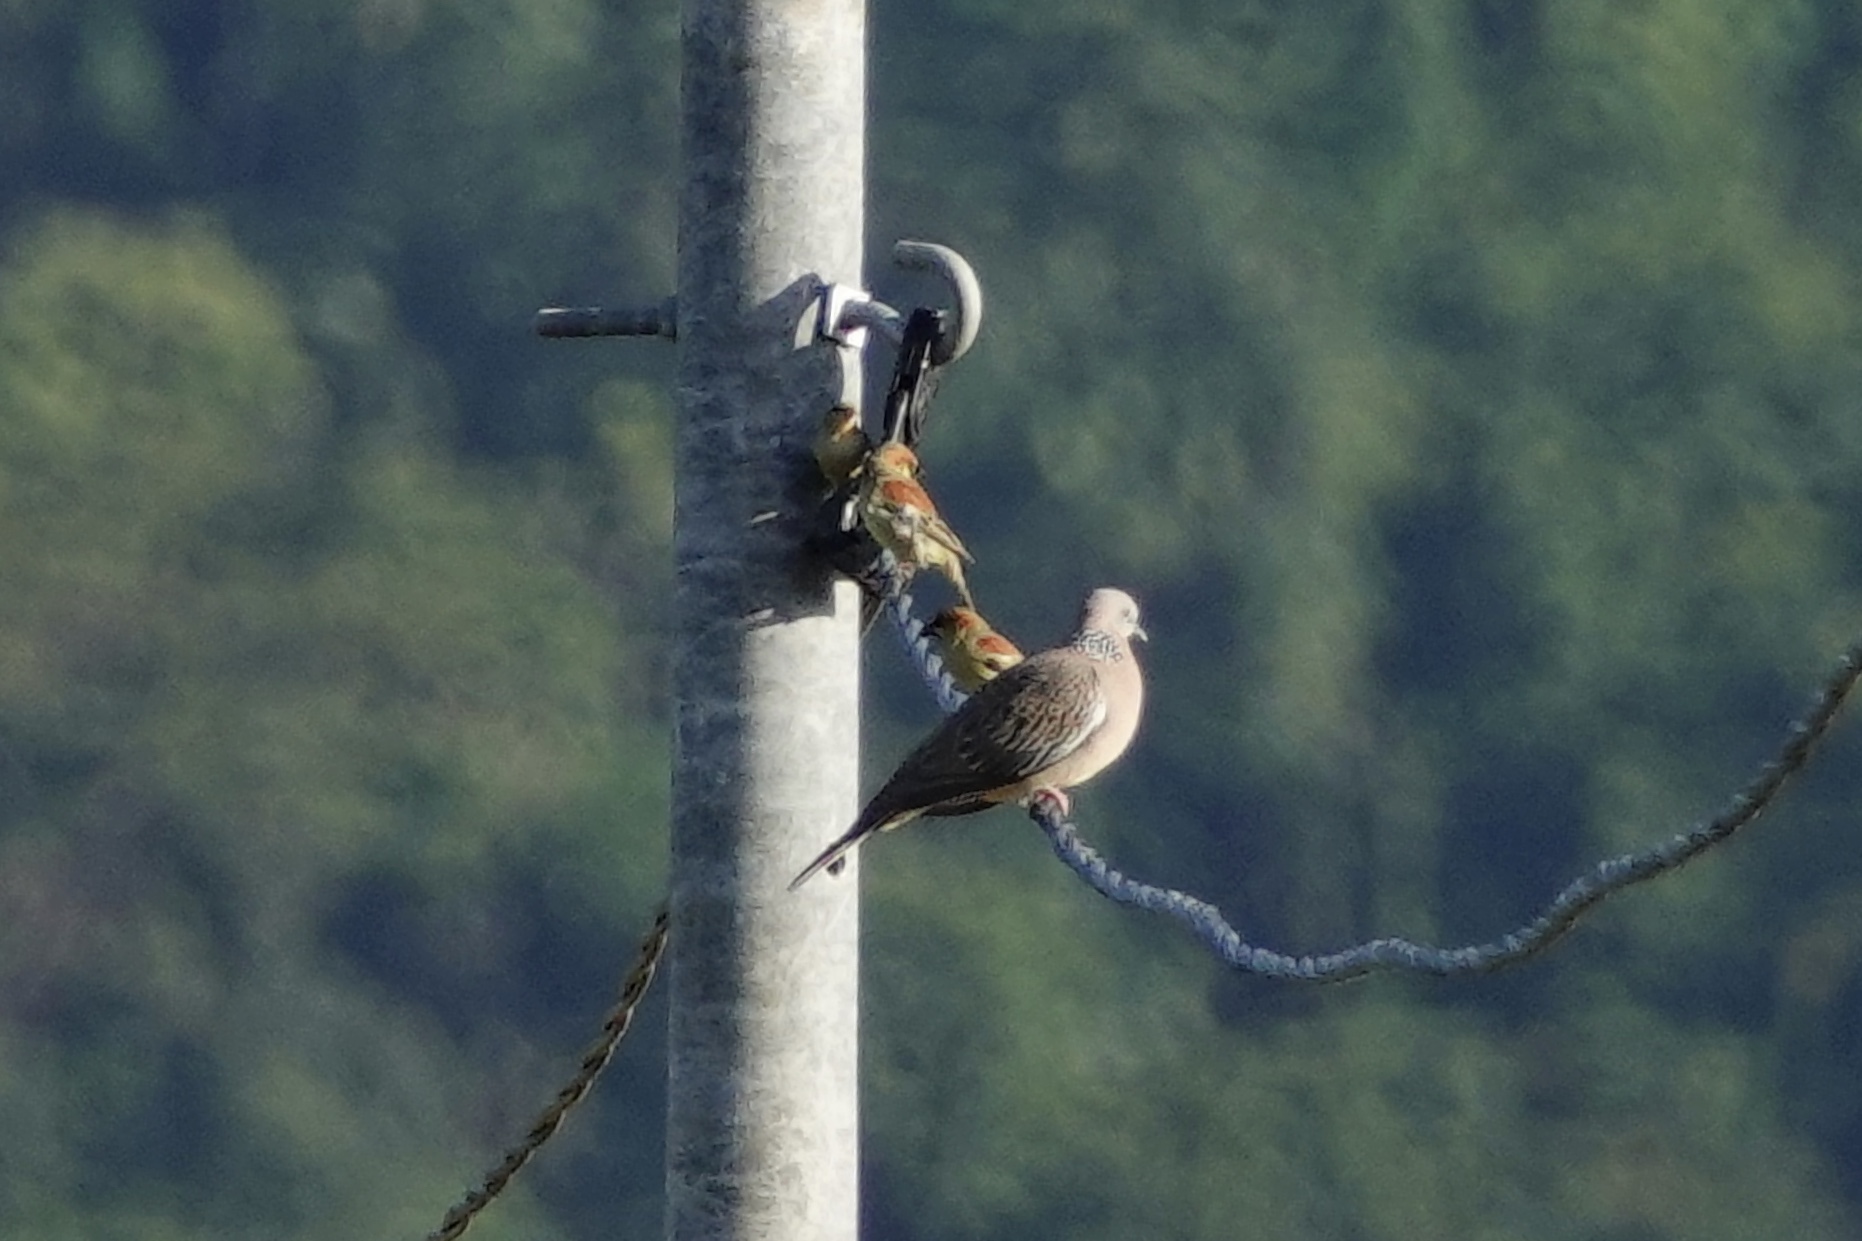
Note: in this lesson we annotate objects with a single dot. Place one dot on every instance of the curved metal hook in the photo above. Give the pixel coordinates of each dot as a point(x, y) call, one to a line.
point(966, 292)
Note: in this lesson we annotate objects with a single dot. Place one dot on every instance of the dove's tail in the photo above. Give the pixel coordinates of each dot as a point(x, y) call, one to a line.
point(833, 858)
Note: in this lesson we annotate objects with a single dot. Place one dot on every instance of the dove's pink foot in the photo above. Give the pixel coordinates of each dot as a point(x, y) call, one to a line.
point(1051, 799)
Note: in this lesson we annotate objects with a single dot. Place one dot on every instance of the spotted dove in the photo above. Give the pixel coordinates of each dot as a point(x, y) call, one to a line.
point(1053, 721)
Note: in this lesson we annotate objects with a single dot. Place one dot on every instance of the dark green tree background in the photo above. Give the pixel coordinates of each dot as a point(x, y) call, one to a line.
point(1468, 387)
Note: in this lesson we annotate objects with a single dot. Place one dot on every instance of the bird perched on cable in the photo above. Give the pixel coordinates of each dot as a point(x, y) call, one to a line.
point(1053, 721)
point(841, 445)
point(973, 651)
point(898, 511)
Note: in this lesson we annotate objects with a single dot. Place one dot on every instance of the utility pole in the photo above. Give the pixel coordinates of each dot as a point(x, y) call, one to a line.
point(762, 1109)
point(762, 1139)
point(762, 1123)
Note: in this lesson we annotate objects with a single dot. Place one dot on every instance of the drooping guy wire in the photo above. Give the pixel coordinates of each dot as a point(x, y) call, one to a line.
point(596, 1058)
point(1393, 954)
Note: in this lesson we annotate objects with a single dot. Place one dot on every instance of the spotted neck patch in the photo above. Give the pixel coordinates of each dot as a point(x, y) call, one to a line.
point(1097, 644)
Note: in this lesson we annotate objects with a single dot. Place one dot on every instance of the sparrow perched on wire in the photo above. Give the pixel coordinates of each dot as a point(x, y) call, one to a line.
point(841, 445)
point(1055, 720)
point(973, 651)
point(899, 513)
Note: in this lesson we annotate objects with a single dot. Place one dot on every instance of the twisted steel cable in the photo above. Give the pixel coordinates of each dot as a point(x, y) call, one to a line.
point(1576, 899)
point(613, 1030)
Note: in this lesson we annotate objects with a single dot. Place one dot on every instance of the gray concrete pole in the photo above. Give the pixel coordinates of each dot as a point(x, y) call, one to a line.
point(761, 1131)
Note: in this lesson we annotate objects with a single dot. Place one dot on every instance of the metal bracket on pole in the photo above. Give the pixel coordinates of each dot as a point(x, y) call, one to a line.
point(567, 322)
point(843, 317)
point(846, 312)
point(966, 313)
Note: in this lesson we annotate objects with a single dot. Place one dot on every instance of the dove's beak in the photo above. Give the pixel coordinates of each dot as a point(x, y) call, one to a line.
point(1137, 631)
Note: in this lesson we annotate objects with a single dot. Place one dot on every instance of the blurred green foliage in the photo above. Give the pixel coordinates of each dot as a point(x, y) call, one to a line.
point(1468, 387)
